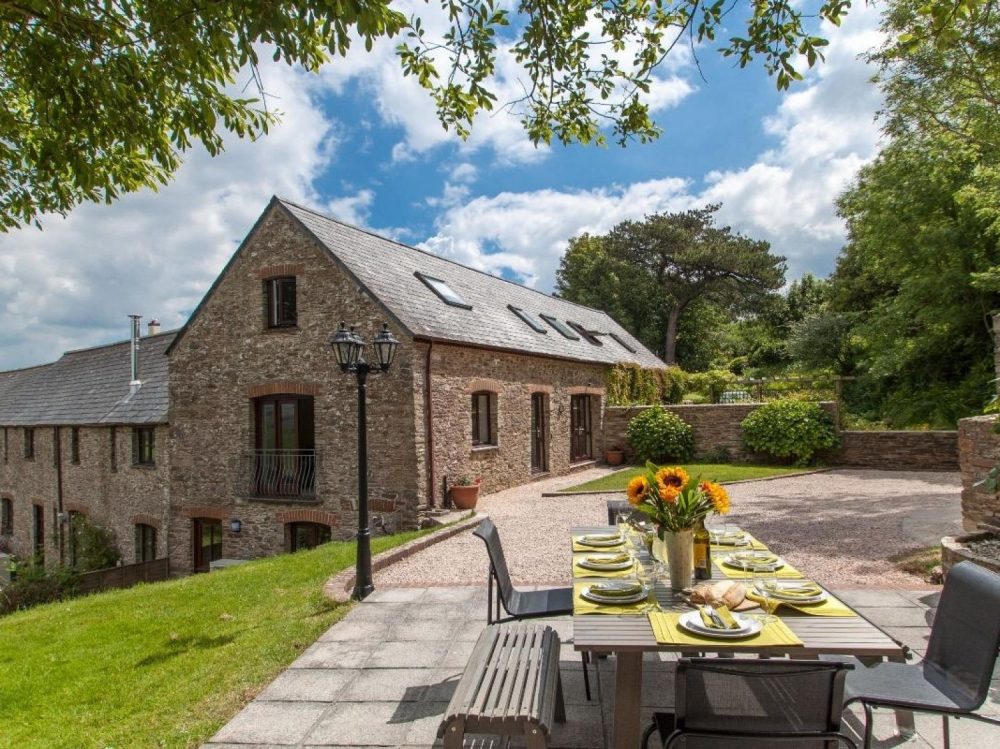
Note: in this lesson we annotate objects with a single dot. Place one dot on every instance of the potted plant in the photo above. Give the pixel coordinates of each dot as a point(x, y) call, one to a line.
point(465, 493)
point(614, 456)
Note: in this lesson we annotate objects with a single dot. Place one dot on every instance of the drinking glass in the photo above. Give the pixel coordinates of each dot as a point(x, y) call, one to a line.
point(646, 574)
point(763, 585)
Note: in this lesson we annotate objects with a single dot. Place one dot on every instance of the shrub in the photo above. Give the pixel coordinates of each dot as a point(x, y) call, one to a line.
point(36, 585)
point(96, 547)
point(659, 435)
point(789, 429)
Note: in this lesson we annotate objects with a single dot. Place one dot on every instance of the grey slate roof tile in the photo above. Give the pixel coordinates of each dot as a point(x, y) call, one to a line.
point(387, 269)
point(89, 386)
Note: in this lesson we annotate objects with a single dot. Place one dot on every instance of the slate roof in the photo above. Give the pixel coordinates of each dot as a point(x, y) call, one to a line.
point(388, 268)
point(89, 386)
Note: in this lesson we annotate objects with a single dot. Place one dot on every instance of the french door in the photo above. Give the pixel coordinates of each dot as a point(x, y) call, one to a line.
point(539, 429)
point(285, 461)
point(580, 437)
point(206, 539)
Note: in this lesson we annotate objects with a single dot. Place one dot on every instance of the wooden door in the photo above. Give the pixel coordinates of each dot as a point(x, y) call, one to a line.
point(539, 434)
point(579, 425)
point(206, 539)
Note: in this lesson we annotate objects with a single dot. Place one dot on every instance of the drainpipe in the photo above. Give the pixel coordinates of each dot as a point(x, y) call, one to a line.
point(429, 426)
point(57, 458)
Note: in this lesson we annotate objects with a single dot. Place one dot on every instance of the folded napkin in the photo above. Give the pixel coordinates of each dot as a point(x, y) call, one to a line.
point(723, 613)
point(581, 606)
point(613, 560)
point(602, 537)
point(739, 573)
point(755, 557)
point(667, 632)
point(830, 606)
point(609, 590)
point(804, 590)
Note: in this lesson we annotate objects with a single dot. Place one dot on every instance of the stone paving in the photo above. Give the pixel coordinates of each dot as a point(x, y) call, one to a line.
point(384, 674)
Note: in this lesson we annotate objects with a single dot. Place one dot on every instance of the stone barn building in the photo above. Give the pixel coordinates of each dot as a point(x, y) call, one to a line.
point(492, 381)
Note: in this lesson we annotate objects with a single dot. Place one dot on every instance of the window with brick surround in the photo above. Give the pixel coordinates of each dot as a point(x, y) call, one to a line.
point(307, 535)
point(114, 450)
point(484, 427)
point(143, 446)
point(282, 309)
point(6, 517)
point(74, 445)
point(145, 543)
point(29, 443)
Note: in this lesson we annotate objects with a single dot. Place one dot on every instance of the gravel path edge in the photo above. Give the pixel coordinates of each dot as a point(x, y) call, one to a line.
point(339, 587)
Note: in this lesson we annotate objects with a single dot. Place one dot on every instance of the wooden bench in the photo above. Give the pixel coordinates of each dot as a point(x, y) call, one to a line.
point(511, 685)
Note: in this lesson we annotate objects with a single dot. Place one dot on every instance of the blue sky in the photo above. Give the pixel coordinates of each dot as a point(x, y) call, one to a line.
point(361, 142)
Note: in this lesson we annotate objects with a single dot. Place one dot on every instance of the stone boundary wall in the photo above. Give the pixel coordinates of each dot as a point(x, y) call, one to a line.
point(979, 451)
point(717, 427)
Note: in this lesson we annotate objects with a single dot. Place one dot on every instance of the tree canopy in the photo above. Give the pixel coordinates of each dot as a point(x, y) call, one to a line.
point(103, 97)
point(651, 272)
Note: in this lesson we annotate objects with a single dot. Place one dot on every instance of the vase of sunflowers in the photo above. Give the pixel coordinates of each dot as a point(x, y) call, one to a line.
point(675, 502)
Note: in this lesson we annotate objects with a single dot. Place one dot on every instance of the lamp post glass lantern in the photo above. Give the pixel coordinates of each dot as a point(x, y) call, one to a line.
point(348, 348)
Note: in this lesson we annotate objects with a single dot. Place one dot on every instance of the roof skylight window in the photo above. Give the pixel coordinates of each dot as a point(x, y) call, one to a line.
point(444, 292)
point(528, 319)
point(622, 343)
point(589, 335)
point(558, 325)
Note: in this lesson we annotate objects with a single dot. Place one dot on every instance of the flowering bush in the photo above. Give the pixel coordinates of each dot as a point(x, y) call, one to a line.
point(673, 500)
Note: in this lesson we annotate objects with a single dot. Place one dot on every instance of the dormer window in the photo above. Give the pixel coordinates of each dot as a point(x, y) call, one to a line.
point(443, 291)
point(282, 311)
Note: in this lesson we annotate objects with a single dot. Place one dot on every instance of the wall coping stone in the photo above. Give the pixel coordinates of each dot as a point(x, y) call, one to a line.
point(339, 587)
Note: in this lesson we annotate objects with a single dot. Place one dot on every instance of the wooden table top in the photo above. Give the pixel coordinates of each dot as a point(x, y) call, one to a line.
point(820, 635)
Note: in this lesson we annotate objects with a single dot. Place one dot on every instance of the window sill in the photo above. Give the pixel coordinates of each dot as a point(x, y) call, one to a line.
point(279, 329)
point(581, 464)
point(313, 500)
point(485, 449)
point(145, 466)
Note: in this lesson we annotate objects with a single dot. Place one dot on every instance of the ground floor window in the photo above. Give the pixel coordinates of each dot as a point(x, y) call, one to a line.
point(581, 438)
point(307, 535)
point(38, 532)
point(207, 541)
point(145, 543)
point(6, 517)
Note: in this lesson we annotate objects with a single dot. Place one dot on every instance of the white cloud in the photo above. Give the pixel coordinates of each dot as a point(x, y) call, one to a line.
point(826, 132)
point(73, 283)
point(352, 209)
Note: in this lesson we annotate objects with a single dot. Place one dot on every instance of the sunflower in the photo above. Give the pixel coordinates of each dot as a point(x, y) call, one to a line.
point(717, 494)
point(637, 490)
point(668, 492)
point(676, 477)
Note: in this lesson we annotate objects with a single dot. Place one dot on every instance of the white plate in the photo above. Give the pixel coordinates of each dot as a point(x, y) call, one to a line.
point(617, 567)
point(747, 565)
point(614, 600)
point(598, 544)
point(691, 621)
point(776, 594)
point(743, 539)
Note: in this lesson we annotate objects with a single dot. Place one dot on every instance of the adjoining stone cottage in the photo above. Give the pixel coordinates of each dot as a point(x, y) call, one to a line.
point(492, 381)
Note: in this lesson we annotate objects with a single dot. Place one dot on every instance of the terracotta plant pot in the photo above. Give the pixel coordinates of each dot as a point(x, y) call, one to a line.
point(614, 457)
point(465, 497)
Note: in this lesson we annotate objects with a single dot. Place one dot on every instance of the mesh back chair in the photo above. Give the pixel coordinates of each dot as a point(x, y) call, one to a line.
point(754, 704)
point(954, 677)
point(617, 506)
point(520, 604)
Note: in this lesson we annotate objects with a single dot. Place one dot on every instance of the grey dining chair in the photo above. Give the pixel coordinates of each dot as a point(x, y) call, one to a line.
point(954, 677)
point(520, 604)
point(754, 704)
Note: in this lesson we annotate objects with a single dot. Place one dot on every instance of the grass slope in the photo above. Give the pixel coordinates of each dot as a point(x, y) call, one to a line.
point(163, 665)
point(617, 481)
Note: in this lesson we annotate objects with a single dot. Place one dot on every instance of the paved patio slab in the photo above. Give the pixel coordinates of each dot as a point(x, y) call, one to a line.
point(372, 689)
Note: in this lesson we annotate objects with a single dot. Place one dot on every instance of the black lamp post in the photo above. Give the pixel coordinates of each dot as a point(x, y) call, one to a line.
point(348, 347)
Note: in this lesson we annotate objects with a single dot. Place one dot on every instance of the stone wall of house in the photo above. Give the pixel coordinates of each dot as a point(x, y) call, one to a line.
point(979, 452)
point(457, 372)
point(227, 357)
point(897, 450)
point(115, 498)
point(717, 430)
point(716, 427)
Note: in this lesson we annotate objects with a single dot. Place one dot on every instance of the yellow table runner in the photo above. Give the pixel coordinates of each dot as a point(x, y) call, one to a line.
point(579, 571)
point(786, 572)
point(830, 607)
point(583, 606)
point(668, 632)
point(578, 547)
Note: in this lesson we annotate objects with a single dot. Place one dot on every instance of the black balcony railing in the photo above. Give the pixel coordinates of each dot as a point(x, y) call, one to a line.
point(279, 473)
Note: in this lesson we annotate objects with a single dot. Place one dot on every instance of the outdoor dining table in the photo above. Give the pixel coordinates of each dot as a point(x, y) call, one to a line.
point(628, 637)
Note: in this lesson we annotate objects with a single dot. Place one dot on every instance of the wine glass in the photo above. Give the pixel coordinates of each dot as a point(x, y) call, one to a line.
point(763, 587)
point(646, 573)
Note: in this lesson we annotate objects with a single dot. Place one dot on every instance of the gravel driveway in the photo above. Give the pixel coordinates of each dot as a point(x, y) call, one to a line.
point(839, 527)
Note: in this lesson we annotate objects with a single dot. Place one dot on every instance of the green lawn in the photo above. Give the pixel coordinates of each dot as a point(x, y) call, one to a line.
point(163, 665)
point(618, 480)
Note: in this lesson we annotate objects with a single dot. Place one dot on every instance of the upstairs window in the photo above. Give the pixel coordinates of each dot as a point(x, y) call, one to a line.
point(143, 441)
point(6, 517)
point(74, 446)
point(444, 292)
point(29, 443)
point(484, 426)
point(281, 303)
point(558, 325)
point(622, 343)
point(527, 319)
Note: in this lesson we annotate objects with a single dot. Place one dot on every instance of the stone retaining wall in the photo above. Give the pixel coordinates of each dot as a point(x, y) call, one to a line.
point(979, 451)
point(717, 428)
